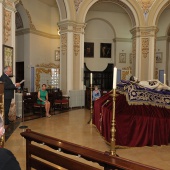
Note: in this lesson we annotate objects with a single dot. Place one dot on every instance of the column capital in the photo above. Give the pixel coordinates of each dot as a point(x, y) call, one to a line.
point(71, 26)
point(144, 31)
point(9, 4)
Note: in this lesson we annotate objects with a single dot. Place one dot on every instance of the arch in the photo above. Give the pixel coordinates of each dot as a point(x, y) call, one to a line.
point(105, 22)
point(156, 11)
point(132, 9)
point(27, 23)
point(66, 10)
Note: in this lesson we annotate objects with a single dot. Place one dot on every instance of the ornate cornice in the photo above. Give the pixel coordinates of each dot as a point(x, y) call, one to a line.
point(71, 26)
point(40, 33)
point(144, 31)
point(122, 40)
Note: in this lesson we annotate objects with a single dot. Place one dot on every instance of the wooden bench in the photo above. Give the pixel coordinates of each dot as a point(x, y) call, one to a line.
point(37, 156)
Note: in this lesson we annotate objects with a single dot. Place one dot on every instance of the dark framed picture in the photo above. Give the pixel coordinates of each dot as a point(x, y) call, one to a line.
point(88, 49)
point(105, 50)
point(7, 56)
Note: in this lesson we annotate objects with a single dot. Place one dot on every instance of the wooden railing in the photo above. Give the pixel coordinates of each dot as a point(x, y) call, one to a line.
point(37, 156)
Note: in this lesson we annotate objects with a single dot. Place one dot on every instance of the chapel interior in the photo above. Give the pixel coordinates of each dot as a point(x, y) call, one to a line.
point(74, 45)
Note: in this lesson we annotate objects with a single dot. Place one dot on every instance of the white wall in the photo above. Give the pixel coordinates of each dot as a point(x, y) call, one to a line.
point(104, 27)
point(33, 48)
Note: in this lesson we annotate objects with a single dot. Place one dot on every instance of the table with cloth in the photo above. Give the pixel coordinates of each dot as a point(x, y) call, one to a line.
point(142, 116)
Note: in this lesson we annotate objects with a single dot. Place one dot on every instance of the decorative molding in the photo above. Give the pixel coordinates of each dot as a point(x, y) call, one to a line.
point(122, 40)
point(71, 26)
point(18, 21)
point(9, 5)
point(145, 5)
point(32, 26)
point(50, 65)
point(44, 69)
point(40, 33)
point(134, 48)
point(145, 47)
point(64, 44)
point(77, 4)
point(144, 31)
point(38, 77)
point(76, 38)
point(7, 24)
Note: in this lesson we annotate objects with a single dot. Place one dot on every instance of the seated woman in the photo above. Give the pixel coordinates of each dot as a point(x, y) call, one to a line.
point(151, 84)
point(43, 99)
point(96, 93)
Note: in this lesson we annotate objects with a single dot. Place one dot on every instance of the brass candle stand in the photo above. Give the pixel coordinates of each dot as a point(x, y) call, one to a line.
point(113, 129)
point(91, 105)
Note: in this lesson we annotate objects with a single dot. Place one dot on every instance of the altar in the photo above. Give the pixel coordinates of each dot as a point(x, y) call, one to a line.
point(142, 116)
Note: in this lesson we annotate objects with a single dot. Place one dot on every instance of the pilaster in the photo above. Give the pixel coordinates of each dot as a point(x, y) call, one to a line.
point(144, 40)
point(72, 57)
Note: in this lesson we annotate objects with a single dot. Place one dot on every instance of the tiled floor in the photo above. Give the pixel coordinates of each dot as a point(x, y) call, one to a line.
point(72, 126)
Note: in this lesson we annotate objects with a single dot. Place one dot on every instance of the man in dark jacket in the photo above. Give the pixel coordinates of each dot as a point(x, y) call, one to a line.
point(7, 159)
point(9, 88)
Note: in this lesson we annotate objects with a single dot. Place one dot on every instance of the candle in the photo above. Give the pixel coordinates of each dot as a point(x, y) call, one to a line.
point(114, 78)
point(91, 78)
point(164, 78)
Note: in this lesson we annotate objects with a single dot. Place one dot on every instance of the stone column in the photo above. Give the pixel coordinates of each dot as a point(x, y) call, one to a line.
point(72, 57)
point(144, 52)
point(1, 37)
point(7, 29)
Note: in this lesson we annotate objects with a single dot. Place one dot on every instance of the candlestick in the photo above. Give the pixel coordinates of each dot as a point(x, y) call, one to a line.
point(91, 78)
point(114, 78)
point(164, 78)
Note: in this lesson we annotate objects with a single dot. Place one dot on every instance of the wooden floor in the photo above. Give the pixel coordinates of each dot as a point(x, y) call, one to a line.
point(72, 126)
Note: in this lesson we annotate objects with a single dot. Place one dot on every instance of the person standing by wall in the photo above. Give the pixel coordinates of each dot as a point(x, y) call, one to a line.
point(9, 88)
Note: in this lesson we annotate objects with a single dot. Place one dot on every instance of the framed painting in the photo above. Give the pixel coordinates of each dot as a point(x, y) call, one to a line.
point(8, 56)
point(122, 57)
point(88, 49)
point(159, 57)
point(105, 50)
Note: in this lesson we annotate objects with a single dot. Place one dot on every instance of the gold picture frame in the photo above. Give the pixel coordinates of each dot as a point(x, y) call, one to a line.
point(8, 57)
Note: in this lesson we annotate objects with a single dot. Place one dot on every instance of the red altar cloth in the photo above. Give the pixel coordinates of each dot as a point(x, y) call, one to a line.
point(136, 125)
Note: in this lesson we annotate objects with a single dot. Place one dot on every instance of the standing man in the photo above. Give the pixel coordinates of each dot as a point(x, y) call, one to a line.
point(9, 88)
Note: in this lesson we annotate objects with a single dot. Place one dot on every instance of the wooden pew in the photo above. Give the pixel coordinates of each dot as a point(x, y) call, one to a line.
point(104, 159)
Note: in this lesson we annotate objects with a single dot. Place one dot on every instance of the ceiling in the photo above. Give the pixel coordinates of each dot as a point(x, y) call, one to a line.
point(107, 7)
point(51, 3)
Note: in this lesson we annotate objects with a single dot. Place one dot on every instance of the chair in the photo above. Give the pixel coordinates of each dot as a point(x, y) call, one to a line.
point(37, 108)
point(60, 102)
